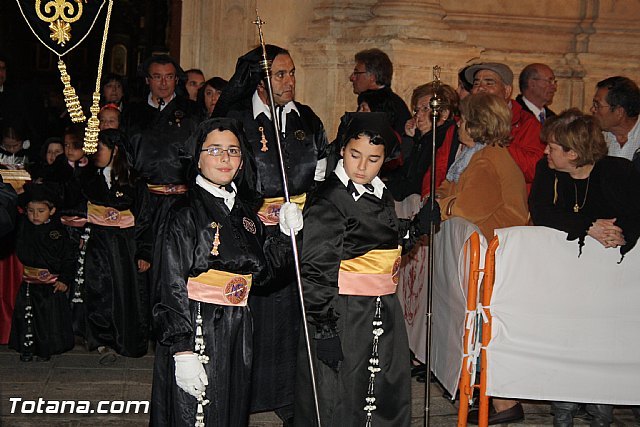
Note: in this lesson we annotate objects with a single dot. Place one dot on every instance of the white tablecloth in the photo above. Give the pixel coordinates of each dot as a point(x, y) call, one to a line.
point(449, 299)
point(564, 328)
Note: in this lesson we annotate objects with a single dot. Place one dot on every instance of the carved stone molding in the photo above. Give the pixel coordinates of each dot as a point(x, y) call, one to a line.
point(583, 41)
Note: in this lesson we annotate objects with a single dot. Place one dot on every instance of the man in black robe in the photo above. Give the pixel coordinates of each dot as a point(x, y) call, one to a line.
point(158, 129)
point(275, 309)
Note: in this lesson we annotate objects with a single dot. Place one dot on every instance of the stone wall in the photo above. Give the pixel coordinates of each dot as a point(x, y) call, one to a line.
point(582, 40)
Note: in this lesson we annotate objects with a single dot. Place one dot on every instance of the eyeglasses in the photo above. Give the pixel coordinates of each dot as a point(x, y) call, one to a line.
point(597, 106)
point(550, 80)
point(423, 109)
point(159, 77)
point(218, 151)
point(356, 72)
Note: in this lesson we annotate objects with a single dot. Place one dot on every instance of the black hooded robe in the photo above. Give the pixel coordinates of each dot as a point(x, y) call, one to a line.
point(276, 308)
point(158, 148)
point(339, 228)
point(114, 293)
point(227, 329)
point(45, 246)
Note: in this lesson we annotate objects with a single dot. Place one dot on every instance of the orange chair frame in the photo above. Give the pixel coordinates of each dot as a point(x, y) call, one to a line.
point(466, 390)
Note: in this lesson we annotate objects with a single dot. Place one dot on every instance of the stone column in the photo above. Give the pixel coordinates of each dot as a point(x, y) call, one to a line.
point(412, 19)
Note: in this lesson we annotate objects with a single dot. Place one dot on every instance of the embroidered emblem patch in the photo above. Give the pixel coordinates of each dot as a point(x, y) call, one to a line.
point(55, 235)
point(44, 275)
point(273, 213)
point(236, 290)
point(395, 273)
point(111, 215)
point(249, 225)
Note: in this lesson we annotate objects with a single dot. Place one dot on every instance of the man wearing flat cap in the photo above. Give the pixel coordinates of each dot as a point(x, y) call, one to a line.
point(276, 308)
point(526, 147)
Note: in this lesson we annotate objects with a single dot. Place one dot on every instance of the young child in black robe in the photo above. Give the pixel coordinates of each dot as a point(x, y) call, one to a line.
point(114, 288)
point(42, 319)
point(350, 258)
point(70, 170)
point(214, 250)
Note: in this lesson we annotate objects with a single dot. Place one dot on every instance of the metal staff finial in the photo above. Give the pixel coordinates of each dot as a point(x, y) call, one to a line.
point(436, 103)
point(266, 65)
point(436, 73)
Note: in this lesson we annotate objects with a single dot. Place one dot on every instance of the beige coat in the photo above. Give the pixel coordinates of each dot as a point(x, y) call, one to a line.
point(490, 193)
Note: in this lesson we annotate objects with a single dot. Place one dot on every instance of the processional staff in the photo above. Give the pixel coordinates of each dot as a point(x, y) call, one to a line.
point(436, 103)
point(266, 67)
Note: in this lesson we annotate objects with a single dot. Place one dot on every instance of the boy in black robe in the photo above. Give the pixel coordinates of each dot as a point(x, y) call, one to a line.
point(350, 259)
point(42, 318)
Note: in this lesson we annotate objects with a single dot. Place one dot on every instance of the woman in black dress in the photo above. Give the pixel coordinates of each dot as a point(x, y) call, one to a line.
point(582, 191)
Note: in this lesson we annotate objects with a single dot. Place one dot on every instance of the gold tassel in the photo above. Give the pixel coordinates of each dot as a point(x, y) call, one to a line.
point(216, 239)
point(70, 97)
point(93, 126)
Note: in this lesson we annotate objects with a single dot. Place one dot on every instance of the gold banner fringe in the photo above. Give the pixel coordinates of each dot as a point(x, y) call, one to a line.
point(70, 97)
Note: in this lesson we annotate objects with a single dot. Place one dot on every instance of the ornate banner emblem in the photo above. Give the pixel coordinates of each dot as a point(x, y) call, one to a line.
point(61, 25)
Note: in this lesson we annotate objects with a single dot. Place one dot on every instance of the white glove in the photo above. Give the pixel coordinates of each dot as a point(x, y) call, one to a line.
point(190, 374)
point(290, 217)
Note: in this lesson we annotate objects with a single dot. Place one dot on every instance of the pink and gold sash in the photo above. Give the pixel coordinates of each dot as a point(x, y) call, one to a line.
point(73, 221)
point(269, 212)
point(220, 287)
point(167, 189)
point(39, 276)
point(372, 274)
point(109, 217)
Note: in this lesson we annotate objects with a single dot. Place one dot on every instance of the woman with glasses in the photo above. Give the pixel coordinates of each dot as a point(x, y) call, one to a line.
point(212, 254)
point(582, 191)
point(417, 139)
